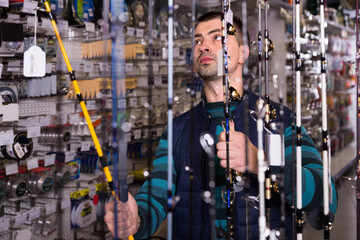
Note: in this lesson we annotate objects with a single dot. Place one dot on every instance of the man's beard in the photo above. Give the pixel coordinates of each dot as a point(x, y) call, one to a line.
point(209, 72)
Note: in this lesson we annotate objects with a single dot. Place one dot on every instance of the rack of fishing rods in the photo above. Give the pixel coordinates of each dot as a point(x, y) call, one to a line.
point(273, 183)
point(267, 182)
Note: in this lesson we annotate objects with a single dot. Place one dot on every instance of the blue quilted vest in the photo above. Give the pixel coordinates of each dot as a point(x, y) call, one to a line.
point(190, 125)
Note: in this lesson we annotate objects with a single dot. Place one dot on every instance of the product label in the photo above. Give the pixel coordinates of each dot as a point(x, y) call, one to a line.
point(4, 3)
point(48, 184)
point(11, 168)
point(89, 27)
point(51, 208)
point(139, 33)
point(33, 131)
point(21, 189)
point(18, 150)
point(6, 138)
point(32, 163)
point(65, 203)
point(4, 225)
point(19, 220)
point(49, 160)
point(130, 31)
point(90, 105)
point(65, 178)
point(34, 214)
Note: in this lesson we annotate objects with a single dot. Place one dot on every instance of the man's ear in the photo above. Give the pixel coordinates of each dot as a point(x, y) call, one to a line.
point(244, 53)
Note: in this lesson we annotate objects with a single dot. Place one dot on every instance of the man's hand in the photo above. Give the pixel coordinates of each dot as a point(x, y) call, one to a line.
point(237, 151)
point(128, 220)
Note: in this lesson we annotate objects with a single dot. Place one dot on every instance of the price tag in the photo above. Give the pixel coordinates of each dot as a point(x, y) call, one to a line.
point(13, 16)
point(133, 102)
point(155, 68)
point(49, 67)
point(176, 52)
point(6, 138)
point(34, 214)
point(155, 33)
point(88, 67)
point(137, 134)
point(163, 36)
point(129, 67)
point(19, 220)
point(90, 105)
point(49, 160)
point(46, 23)
point(69, 156)
point(121, 103)
point(19, 150)
point(5, 225)
point(30, 7)
point(51, 208)
point(146, 133)
point(164, 53)
point(75, 65)
point(143, 101)
point(92, 191)
point(65, 203)
point(130, 31)
point(4, 3)
point(74, 118)
point(45, 121)
point(63, 25)
point(155, 99)
point(89, 27)
point(157, 80)
point(139, 33)
point(103, 67)
point(32, 163)
point(127, 137)
point(85, 146)
point(11, 168)
point(33, 132)
point(30, 21)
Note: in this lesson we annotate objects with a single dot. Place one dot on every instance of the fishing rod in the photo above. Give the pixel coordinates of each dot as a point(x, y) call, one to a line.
point(170, 118)
point(299, 212)
point(207, 143)
point(293, 158)
point(150, 109)
point(191, 90)
point(246, 180)
point(282, 158)
point(325, 137)
point(226, 16)
point(267, 115)
point(118, 149)
point(261, 170)
point(259, 48)
point(95, 139)
point(358, 115)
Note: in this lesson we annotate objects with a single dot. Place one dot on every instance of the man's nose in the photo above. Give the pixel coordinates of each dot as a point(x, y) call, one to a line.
point(204, 47)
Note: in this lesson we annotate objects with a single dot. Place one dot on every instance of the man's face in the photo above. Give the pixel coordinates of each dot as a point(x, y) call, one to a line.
point(207, 44)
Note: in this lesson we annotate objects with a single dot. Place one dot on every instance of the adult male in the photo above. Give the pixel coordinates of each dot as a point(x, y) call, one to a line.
point(208, 116)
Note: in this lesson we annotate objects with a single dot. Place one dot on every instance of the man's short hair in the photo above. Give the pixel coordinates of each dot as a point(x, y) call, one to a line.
point(236, 22)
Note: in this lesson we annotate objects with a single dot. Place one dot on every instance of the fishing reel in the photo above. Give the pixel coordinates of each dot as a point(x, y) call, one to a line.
point(234, 94)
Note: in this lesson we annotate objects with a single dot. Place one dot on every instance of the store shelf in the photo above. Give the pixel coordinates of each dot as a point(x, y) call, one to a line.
point(342, 161)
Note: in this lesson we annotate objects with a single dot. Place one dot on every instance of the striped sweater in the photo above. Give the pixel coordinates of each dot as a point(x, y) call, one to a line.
point(311, 178)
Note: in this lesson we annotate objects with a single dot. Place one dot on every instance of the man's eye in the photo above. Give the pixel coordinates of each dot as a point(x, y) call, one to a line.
point(217, 38)
point(197, 42)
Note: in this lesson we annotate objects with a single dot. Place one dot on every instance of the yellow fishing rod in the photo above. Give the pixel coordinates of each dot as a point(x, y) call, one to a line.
point(83, 107)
